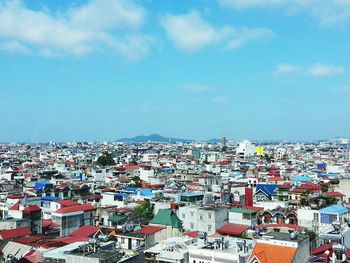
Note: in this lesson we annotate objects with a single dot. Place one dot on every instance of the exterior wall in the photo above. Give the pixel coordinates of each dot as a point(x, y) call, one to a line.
point(124, 241)
point(303, 252)
point(11, 224)
point(89, 218)
point(308, 218)
point(68, 222)
point(195, 218)
point(146, 174)
point(237, 218)
point(108, 200)
point(205, 256)
point(209, 220)
point(189, 217)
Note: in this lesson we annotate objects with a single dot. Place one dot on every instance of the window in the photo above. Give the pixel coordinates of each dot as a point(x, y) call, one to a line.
point(209, 215)
point(191, 213)
point(183, 215)
point(209, 227)
point(316, 217)
point(201, 217)
point(122, 240)
point(328, 219)
point(192, 225)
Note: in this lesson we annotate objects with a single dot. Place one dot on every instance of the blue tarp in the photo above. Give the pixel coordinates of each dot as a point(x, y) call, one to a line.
point(130, 189)
point(41, 185)
point(320, 166)
point(50, 198)
point(301, 178)
point(121, 194)
point(145, 192)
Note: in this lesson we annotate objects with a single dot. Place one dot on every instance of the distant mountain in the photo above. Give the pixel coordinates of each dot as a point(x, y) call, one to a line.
point(213, 140)
point(152, 138)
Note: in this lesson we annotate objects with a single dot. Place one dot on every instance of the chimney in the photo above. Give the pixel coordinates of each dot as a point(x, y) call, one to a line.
point(248, 197)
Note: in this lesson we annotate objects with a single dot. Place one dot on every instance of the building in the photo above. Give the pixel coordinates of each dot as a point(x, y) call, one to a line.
point(242, 216)
point(276, 247)
point(207, 219)
point(72, 217)
point(168, 219)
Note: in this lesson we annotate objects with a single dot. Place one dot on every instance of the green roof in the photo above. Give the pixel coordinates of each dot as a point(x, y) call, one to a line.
point(241, 210)
point(117, 219)
point(166, 217)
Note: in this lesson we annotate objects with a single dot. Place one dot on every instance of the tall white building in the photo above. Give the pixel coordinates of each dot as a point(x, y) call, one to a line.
point(245, 149)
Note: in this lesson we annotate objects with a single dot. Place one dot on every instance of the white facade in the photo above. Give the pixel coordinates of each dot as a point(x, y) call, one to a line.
point(145, 175)
point(245, 149)
point(205, 219)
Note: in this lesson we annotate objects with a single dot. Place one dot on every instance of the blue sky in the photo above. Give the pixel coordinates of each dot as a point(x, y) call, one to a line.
point(105, 69)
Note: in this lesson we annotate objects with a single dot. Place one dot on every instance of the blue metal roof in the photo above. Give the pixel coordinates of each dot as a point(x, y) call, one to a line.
point(50, 198)
point(41, 185)
point(145, 192)
point(269, 189)
point(121, 194)
point(301, 178)
point(131, 189)
point(334, 210)
point(191, 194)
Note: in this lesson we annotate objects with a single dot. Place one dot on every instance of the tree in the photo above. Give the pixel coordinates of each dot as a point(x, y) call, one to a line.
point(145, 210)
point(324, 188)
point(105, 159)
point(135, 182)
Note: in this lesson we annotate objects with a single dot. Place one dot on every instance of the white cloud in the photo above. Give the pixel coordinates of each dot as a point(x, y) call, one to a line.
point(342, 90)
point(320, 70)
point(197, 88)
point(244, 35)
point(191, 33)
point(221, 99)
point(285, 69)
point(327, 12)
point(242, 4)
point(14, 47)
point(316, 70)
point(98, 25)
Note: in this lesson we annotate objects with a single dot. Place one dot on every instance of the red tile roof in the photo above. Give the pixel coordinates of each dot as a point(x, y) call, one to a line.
point(285, 185)
point(15, 233)
point(254, 208)
point(75, 208)
point(15, 206)
point(149, 230)
point(31, 239)
point(19, 196)
point(193, 234)
point(31, 209)
point(48, 223)
point(233, 229)
point(321, 249)
point(334, 194)
point(85, 231)
point(66, 203)
point(276, 178)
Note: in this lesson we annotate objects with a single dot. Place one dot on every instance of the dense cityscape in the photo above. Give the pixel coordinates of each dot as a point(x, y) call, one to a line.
point(195, 131)
point(175, 202)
